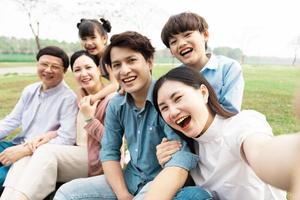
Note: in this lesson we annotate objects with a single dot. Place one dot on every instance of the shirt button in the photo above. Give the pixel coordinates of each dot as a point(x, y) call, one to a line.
point(139, 132)
point(136, 150)
point(150, 128)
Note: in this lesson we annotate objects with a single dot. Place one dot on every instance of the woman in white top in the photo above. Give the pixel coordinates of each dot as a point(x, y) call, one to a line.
point(239, 156)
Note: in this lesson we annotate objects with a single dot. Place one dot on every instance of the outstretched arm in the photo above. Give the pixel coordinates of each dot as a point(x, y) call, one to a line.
point(273, 158)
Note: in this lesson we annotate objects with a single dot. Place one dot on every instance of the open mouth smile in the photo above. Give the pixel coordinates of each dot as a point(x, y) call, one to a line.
point(183, 121)
point(129, 79)
point(185, 51)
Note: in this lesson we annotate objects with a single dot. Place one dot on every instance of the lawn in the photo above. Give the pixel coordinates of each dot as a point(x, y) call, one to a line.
point(268, 89)
point(18, 64)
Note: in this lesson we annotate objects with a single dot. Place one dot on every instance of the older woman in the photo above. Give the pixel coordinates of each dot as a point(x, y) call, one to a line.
point(35, 177)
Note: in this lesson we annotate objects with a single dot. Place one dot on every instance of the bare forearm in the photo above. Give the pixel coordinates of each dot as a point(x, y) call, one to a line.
point(114, 175)
point(167, 183)
point(275, 159)
point(296, 182)
point(108, 89)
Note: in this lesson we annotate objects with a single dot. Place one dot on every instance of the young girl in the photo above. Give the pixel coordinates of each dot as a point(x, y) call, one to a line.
point(94, 38)
point(186, 35)
point(238, 153)
point(35, 177)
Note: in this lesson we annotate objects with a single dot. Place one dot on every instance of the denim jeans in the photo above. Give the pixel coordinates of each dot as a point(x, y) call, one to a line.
point(193, 193)
point(4, 169)
point(97, 188)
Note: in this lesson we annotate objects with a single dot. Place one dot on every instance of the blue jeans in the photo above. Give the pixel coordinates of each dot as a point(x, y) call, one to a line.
point(193, 193)
point(4, 169)
point(97, 188)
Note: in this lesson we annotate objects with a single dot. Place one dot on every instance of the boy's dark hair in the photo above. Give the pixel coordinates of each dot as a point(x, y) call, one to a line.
point(186, 21)
point(54, 51)
point(77, 54)
point(131, 40)
point(87, 27)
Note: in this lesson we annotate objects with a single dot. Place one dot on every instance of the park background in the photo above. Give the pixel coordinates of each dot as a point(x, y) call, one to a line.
point(263, 36)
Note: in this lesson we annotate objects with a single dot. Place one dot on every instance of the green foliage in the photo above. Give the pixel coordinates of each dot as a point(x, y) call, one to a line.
point(17, 57)
point(12, 45)
point(234, 53)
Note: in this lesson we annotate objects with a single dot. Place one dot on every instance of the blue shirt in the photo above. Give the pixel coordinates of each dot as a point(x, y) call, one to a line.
point(144, 129)
point(38, 112)
point(226, 77)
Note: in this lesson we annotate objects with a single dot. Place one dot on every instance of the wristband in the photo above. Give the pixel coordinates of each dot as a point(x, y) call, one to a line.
point(87, 120)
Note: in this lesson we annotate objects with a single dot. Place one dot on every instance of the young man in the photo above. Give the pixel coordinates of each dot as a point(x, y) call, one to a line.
point(130, 56)
point(46, 111)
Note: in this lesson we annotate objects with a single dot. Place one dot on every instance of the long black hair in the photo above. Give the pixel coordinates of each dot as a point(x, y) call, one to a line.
point(192, 78)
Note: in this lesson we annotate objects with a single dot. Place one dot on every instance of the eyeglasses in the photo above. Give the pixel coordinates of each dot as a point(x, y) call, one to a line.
point(54, 67)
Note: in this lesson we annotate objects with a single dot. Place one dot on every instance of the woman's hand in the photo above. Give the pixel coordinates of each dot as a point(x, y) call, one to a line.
point(87, 108)
point(166, 149)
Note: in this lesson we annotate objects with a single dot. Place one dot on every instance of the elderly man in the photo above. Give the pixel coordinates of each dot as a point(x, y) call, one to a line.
point(46, 111)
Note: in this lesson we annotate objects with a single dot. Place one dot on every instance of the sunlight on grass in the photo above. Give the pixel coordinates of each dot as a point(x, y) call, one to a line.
point(269, 90)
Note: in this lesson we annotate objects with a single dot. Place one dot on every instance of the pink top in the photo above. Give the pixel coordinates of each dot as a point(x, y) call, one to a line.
point(95, 130)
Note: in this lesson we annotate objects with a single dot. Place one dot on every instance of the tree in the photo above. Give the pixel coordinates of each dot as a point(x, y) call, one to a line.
point(234, 53)
point(141, 16)
point(35, 11)
point(296, 43)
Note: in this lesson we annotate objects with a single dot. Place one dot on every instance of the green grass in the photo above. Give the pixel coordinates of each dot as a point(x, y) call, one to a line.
point(271, 90)
point(268, 89)
point(17, 57)
point(18, 64)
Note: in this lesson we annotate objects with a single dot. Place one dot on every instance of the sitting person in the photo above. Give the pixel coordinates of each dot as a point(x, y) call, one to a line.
point(130, 56)
point(46, 111)
point(61, 163)
point(240, 157)
point(93, 36)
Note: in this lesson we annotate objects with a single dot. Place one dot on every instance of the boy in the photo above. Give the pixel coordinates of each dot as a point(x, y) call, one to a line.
point(186, 35)
point(130, 56)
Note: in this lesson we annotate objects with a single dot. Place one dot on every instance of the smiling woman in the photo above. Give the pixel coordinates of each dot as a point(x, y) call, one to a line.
point(73, 162)
point(239, 154)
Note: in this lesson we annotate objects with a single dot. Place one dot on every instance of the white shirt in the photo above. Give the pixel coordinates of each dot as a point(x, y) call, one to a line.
point(38, 112)
point(221, 167)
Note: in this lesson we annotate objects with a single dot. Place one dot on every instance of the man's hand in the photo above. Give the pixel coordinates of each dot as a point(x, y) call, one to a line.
point(165, 150)
point(13, 154)
point(37, 141)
